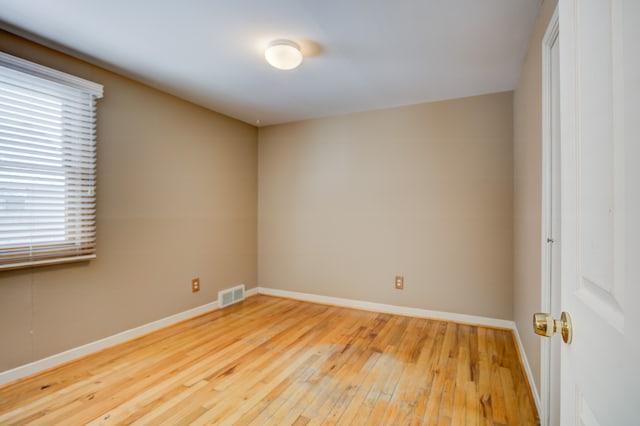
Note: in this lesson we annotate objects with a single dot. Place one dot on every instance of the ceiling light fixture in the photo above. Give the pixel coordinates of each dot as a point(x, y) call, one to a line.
point(283, 54)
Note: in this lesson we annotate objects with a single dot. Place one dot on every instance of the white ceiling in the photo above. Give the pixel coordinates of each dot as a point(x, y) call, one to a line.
point(360, 54)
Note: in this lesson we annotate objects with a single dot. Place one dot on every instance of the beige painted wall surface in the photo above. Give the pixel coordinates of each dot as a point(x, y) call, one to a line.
point(424, 191)
point(527, 111)
point(177, 198)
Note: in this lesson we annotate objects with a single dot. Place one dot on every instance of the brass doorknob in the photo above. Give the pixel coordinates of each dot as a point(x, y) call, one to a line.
point(545, 325)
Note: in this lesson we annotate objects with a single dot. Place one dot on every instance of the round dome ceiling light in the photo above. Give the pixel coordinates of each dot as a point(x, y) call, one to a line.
point(283, 54)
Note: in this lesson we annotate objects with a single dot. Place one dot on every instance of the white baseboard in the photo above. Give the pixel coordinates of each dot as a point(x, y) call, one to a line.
point(527, 368)
point(251, 292)
point(389, 309)
point(75, 353)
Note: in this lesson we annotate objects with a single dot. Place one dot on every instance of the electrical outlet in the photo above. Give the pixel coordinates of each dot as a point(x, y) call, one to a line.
point(195, 285)
point(399, 282)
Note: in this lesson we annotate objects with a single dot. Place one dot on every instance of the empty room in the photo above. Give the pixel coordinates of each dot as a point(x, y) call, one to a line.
point(412, 212)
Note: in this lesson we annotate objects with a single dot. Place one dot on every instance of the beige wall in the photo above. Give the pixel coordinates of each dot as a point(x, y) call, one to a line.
point(177, 198)
point(423, 191)
point(527, 207)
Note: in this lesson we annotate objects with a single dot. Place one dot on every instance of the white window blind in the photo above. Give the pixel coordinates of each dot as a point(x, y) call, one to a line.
point(47, 165)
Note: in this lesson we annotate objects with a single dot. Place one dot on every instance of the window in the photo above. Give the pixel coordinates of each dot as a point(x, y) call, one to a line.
point(47, 165)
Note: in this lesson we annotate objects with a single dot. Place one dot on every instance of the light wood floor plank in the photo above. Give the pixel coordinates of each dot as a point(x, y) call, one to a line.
point(274, 361)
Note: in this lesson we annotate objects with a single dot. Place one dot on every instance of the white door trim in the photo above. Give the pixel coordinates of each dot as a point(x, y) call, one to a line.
point(550, 37)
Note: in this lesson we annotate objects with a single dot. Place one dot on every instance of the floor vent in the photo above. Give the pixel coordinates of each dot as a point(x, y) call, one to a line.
point(231, 296)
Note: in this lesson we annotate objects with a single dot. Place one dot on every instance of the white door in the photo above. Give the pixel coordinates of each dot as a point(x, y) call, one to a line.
point(600, 210)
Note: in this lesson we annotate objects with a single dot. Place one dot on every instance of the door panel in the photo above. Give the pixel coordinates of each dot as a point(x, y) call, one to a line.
point(597, 146)
point(599, 138)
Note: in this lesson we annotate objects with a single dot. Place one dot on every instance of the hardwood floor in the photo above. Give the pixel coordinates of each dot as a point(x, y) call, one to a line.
point(282, 362)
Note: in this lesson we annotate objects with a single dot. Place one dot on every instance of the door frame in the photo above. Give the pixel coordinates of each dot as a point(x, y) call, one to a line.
point(548, 296)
